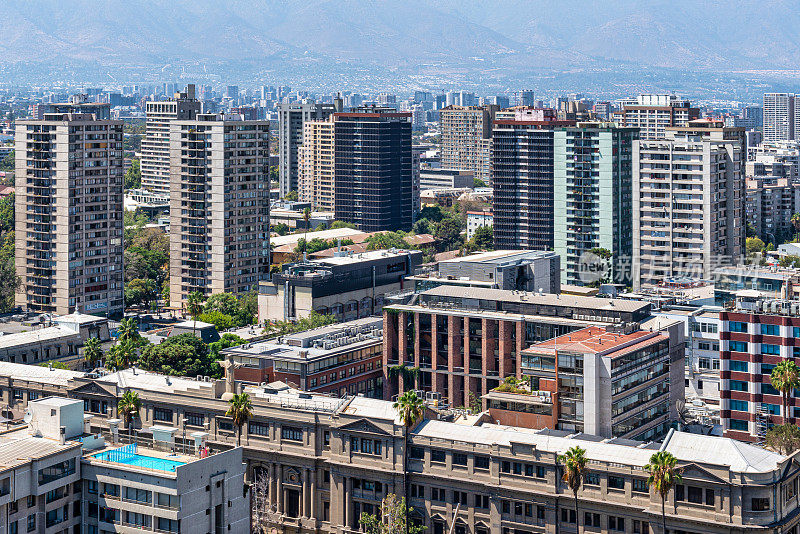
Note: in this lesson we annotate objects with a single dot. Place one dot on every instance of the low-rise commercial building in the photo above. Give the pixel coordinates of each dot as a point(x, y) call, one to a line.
point(612, 381)
point(316, 462)
point(446, 179)
point(769, 282)
point(465, 341)
point(58, 342)
point(478, 219)
point(341, 359)
point(347, 285)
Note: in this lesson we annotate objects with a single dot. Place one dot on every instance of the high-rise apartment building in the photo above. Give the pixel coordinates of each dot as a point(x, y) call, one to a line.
point(771, 202)
point(592, 178)
point(781, 117)
point(688, 211)
point(522, 178)
point(652, 114)
point(466, 131)
point(316, 168)
point(526, 98)
point(69, 214)
point(291, 118)
point(373, 171)
point(154, 162)
point(219, 205)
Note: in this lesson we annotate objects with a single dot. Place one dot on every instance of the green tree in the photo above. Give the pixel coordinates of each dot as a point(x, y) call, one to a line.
point(754, 245)
point(92, 351)
point(221, 321)
point(432, 213)
point(341, 224)
point(783, 439)
point(55, 364)
point(7, 213)
point(194, 305)
point(785, 377)
point(390, 519)
point(8, 162)
point(790, 260)
point(423, 226)
point(129, 329)
point(226, 303)
point(411, 410)
point(314, 320)
point(273, 174)
point(795, 220)
point(247, 312)
point(128, 408)
point(133, 176)
point(181, 355)
point(574, 463)
point(477, 182)
point(139, 291)
point(291, 196)
point(281, 229)
point(663, 476)
point(448, 232)
point(239, 411)
point(483, 238)
point(385, 240)
point(9, 281)
point(227, 341)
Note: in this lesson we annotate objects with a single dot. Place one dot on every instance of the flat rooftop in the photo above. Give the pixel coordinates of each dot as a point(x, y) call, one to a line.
point(500, 256)
point(19, 448)
point(364, 256)
point(598, 340)
point(505, 295)
point(317, 343)
point(36, 373)
point(292, 239)
point(38, 335)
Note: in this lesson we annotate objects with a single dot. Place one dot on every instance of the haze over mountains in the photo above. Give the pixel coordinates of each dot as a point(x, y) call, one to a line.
point(405, 36)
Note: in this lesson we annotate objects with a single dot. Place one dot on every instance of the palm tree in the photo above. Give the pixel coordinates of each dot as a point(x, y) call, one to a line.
point(785, 377)
point(92, 353)
point(240, 410)
point(795, 220)
point(663, 477)
point(306, 217)
point(194, 305)
point(128, 329)
point(574, 461)
point(128, 407)
point(410, 409)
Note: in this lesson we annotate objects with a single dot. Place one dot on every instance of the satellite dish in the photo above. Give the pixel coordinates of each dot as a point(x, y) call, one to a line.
point(28, 416)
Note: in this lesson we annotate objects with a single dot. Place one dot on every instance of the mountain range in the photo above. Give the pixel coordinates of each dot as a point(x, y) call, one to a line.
point(406, 36)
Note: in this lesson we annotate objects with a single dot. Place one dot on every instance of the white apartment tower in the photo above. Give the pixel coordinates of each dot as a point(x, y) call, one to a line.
point(781, 117)
point(69, 214)
point(316, 168)
point(291, 118)
point(688, 203)
point(219, 205)
point(155, 143)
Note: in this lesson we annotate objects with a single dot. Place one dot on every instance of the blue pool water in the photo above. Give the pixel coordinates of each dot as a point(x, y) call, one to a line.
point(139, 460)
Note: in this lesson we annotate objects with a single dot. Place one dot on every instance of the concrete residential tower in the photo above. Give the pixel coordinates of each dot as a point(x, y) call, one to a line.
point(219, 205)
point(291, 118)
point(315, 182)
point(69, 214)
point(689, 207)
point(466, 134)
point(155, 143)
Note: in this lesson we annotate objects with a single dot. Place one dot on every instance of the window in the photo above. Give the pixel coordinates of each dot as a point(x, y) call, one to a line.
point(694, 494)
point(138, 495)
point(592, 479)
point(738, 385)
point(591, 519)
point(737, 346)
point(168, 525)
point(227, 426)
point(736, 365)
point(641, 527)
point(459, 459)
point(195, 419)
point(258, 428)
point(417, 491)
point(438, 456)
point(679, 493)
point(31, 522)
point(438, 494)
point(567, 515)
point(162, 414)
point(164, 500)
point(326, 438)
point(505, 466)
point(616, 523)
point(736, 326)
point(709, 497)
point(767, 348)
point(416, 453)
point(541, 471)
point(796, 331)
point(616, 482)
point(738, 424)
point(91, 487)
point(640, 485)
point(18, 394)
point(292, 433)
point(506, 506)
point(481, 462)
point(111, 490)
point(32, 498)
point(769, 330)
point(759, 504)
point(738, 405)
point(482, 501)
point(13, 528)
point(56, 471)
point(517, 468)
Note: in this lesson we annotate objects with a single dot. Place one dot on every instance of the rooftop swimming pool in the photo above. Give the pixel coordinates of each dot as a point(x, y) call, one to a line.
point(129, 455)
